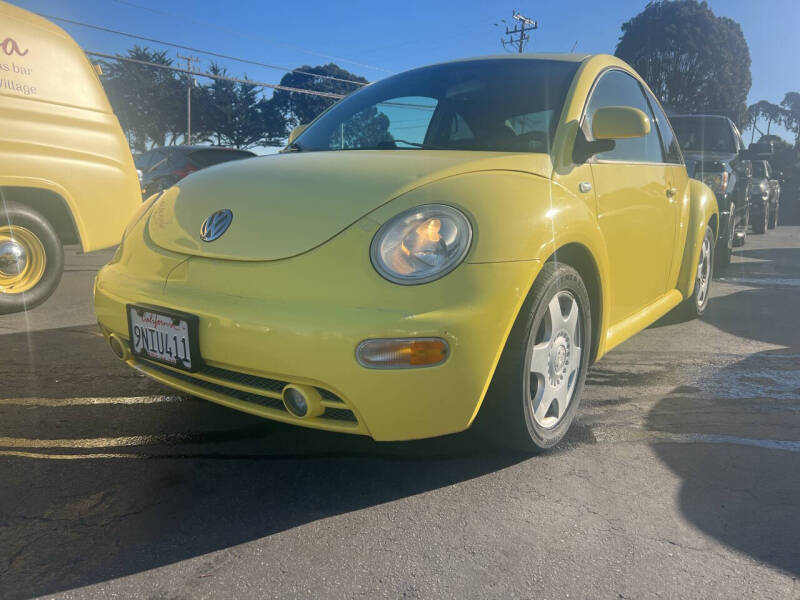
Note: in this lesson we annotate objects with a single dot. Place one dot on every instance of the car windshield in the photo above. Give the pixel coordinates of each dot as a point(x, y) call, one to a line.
point(704, 134)
point(490, 105)
point(758, 169)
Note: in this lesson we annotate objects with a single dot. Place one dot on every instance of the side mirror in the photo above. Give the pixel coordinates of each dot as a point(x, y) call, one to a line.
point(619, 122)
point(583, 149)
point(296, 132)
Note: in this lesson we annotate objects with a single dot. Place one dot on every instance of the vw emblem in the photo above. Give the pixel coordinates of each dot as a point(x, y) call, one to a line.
point(215, 225)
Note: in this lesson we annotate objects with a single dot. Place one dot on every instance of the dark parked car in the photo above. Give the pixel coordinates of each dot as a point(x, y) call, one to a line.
point(715, 154)
point(765, 195)
point(163, 167)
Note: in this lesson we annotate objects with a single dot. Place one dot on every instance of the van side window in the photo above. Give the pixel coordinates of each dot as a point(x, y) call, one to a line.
point(616, 88)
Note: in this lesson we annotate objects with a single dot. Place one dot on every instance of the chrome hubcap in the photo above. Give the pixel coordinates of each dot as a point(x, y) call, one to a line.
point(704, 272)
point(554, 360)
point(13, 258)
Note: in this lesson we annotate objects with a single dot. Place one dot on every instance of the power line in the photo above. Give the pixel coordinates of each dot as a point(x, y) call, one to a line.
point(183, 18)
point(190, 49)
point(524, 24)
point(220, 77)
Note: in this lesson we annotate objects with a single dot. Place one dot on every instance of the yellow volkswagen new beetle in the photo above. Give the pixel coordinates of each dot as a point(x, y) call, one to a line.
point(463, 237)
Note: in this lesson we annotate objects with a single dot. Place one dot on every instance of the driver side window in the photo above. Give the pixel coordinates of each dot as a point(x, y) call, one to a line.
point(617, 88)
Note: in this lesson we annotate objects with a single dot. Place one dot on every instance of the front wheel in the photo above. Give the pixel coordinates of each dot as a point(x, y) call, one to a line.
point(773, 217)
point(31, 258)
point(537, 387)
point(725, 247)
point(761, 222)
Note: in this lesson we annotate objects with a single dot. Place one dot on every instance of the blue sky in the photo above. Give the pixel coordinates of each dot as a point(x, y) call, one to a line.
point(375, 38)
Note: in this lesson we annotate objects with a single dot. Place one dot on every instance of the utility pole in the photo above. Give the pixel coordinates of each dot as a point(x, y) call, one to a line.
point(523, 25)
point(189, 60)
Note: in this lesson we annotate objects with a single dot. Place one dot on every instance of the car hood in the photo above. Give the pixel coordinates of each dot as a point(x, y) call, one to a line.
point(286, 204)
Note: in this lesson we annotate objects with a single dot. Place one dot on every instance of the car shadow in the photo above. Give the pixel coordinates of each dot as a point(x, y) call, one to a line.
point(100, 490)
point(733, 436)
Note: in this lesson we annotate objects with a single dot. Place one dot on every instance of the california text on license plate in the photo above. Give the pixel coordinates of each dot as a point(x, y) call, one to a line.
point(165, 336)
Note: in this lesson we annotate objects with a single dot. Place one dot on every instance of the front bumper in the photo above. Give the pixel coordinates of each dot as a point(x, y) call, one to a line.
point(254, 345)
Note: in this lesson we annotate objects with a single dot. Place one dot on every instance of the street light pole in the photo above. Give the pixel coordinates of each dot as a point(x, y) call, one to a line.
point(189, 60)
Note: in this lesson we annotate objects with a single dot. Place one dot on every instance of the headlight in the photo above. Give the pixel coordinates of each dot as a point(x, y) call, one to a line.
point(421, 244)
point(717, 181)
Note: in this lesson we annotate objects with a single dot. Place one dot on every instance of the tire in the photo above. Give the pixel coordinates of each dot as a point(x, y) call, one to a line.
point(741, 241)
point(773, 217)
point(724, 251)
point(695, 305)
point(24, 231)
point(508, 415)
point(762, 220)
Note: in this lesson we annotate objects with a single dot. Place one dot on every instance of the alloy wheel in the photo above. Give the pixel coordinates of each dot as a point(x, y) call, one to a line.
point(555, 359)
point(703, 280)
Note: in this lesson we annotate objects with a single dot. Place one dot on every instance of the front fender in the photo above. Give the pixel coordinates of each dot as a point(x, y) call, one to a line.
point(703, 211)
point(519, 217)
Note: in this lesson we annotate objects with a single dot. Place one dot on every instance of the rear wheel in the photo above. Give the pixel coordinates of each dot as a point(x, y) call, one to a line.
point(31, 258)
point(537, 387)
point(695, 305)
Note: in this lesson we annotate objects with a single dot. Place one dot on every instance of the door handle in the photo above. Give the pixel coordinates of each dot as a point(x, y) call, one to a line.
point(585, 187)
point(671, 192)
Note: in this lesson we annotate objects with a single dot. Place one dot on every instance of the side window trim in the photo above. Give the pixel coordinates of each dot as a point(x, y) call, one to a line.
point(582, 120)
point(655, 107)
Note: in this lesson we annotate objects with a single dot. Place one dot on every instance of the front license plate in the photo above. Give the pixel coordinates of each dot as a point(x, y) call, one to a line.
point(164, 336)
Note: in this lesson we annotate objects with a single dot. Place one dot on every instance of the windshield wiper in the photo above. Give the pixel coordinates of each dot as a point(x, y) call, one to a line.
point(392, 145)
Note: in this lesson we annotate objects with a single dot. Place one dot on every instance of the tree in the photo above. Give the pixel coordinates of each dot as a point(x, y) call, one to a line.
point(148, 101)
point(233, 114)
point(693, 60)
point(791, 119)
point(298, 108)
point(763, 110)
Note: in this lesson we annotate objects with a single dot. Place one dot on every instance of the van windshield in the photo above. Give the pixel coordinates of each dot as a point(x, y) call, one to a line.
point(489, 105)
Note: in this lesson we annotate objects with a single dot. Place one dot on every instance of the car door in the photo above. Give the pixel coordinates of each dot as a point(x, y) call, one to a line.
point(635, 202)
point(677, 186)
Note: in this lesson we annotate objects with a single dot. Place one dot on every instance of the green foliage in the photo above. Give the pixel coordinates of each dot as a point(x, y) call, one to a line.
point(762, 109)
point(233, 114)
point(694, 61)
point(791, 117)
point(147, 100)
point(298, 109)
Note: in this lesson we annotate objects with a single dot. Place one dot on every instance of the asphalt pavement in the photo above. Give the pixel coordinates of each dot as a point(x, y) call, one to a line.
point(680, 479)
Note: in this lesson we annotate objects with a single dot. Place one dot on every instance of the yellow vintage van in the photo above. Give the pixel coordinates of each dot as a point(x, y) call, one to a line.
point(66, 172)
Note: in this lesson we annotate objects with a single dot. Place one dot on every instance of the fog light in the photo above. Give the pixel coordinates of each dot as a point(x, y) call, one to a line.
point(302, 401)
point(405, 353)
point(118, 347)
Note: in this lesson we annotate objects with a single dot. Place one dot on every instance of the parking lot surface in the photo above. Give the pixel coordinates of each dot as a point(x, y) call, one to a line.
point(681, 478)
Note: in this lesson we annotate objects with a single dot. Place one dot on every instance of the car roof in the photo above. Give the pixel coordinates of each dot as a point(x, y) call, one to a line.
point(559, 56)
point(701, 116)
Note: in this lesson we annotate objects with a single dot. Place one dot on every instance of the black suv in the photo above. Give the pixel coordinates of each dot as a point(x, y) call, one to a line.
point(716, 155)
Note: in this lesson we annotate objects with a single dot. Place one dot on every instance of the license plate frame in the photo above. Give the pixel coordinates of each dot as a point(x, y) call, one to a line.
point(191, 337)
